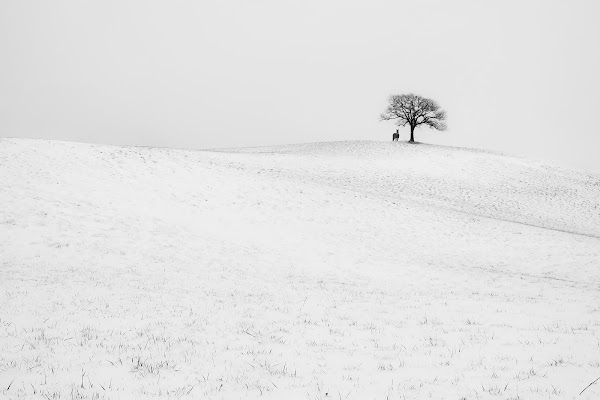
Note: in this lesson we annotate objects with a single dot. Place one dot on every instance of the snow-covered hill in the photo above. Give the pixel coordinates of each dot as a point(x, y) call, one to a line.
point(345, 270)
point(469, 180)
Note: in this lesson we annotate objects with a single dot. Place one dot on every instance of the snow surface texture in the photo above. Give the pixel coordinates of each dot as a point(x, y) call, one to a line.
point(343, 270)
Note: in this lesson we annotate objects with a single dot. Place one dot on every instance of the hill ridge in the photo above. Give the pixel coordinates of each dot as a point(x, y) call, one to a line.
point(481, 183)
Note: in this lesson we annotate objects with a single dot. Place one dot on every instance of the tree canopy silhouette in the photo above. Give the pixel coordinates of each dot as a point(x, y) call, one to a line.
point(413, 110)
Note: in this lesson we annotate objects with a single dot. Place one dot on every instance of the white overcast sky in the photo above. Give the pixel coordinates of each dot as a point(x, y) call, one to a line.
point(516, 76)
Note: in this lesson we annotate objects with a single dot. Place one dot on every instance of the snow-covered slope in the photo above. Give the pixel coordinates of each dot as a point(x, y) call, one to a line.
point(341, 269)
point(469, 180)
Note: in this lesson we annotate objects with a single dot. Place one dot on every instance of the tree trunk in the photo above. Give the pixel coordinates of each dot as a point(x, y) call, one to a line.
point(412, 134)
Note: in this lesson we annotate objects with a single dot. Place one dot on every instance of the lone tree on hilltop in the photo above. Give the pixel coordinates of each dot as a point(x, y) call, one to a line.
point(414, 110)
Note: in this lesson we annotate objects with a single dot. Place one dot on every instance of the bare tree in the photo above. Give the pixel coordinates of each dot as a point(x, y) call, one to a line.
point(414, 110)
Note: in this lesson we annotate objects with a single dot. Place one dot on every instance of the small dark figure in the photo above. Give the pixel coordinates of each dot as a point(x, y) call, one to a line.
point(395, 136)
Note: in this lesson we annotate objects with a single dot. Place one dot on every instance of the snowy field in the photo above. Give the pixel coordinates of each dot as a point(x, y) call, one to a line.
point(341, 270)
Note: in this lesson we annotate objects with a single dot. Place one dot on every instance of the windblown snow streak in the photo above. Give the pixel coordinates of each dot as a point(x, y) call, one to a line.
point(345, 270)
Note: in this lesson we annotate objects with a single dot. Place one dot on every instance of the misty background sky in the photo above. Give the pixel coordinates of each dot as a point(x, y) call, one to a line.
point(515, 76)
